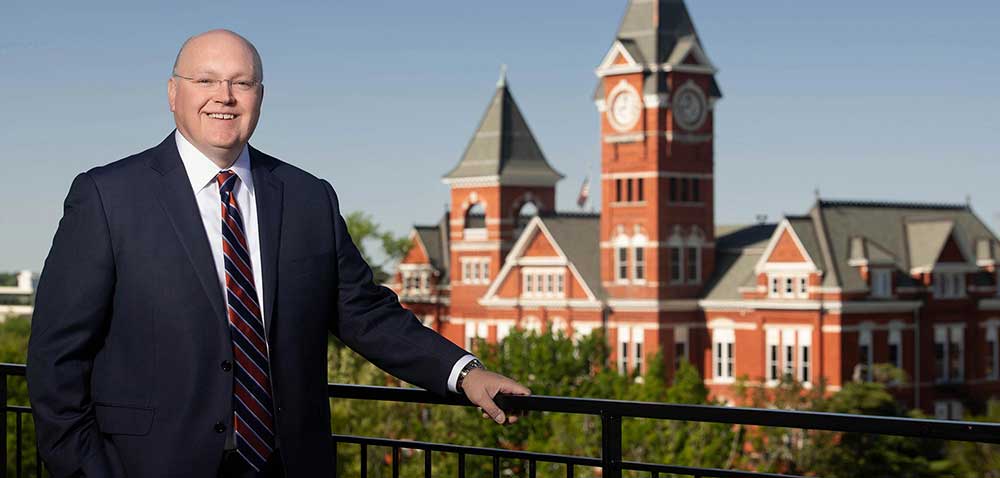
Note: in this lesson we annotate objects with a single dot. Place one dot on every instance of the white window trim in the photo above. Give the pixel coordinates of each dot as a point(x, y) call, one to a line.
point(723, 363)
point(993, 334)
point(896, 338)
point(949, 285)
point(680, 337)
point(948, 410)
point(542, 278)
point(697, 264)
point(624, 336)
point(782, 282)
point(881, 282)
point(678, 264)
point(635, 263)
point(619, 277)
point(804, 364)
point(638, 349)
point(475, 270)
point(475, 330)
point(947, 332)
point(865, 339)
point(773, 339)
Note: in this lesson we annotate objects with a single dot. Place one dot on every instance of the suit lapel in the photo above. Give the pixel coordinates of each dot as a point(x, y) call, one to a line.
point(269, 198)
point(177, 199)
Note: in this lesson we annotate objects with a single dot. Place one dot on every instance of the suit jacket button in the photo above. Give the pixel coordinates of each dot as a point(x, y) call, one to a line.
point(227, 365)
point(219, 427)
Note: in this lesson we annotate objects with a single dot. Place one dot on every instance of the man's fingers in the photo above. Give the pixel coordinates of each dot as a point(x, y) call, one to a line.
point(490, 408)
point(513, 388)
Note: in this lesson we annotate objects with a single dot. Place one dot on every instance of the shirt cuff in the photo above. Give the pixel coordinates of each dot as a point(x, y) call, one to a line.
point(457, 369)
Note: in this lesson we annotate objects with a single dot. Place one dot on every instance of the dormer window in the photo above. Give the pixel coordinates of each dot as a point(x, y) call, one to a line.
point(949, 285)
point(881, 283)
point(788, 286)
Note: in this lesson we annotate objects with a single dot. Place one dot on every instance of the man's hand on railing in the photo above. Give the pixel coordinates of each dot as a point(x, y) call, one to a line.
point(481, 385)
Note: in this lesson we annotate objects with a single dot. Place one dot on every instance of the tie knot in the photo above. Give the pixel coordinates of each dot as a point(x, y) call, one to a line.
point(226, 180)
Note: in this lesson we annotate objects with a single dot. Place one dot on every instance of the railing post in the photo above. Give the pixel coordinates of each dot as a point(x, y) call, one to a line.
point(611, 445)
point(3, 425)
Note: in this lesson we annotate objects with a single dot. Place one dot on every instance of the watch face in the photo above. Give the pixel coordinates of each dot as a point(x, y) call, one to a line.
point(689, 108)
point(625, 109)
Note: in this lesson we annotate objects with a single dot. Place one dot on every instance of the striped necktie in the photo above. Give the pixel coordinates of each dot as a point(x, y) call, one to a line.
point(253, 419)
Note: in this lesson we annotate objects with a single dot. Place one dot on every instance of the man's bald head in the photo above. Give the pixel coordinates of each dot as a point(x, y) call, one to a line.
point(221, 34)
point(215, 93)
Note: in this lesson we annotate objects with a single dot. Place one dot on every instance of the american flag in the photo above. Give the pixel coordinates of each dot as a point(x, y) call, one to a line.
point(584, 193)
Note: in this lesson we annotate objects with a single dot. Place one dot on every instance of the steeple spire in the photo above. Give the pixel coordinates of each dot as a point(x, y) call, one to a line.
point(502, 82)
point(504, 147)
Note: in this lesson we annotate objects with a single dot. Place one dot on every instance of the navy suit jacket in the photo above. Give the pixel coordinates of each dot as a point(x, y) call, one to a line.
point(129, 332)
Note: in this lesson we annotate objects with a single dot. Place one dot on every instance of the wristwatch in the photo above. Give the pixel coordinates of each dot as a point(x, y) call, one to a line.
point(473, 364)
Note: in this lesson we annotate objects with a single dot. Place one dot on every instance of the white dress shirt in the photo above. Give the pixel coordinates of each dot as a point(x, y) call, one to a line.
point(202, 172)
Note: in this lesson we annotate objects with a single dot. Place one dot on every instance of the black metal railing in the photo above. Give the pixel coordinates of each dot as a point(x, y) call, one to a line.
point(21, 422)
point(611, 413)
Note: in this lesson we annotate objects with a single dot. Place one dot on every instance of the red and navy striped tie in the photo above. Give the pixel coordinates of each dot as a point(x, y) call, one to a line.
point(253, 419)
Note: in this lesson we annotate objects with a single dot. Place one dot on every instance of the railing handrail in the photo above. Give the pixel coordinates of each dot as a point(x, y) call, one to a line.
point(13, 368)
point(983, 432)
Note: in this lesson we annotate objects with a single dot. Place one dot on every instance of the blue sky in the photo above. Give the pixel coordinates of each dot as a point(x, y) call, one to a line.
point(892, 100)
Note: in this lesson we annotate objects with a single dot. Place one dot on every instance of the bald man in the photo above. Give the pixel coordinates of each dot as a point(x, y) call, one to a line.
point(181, 318)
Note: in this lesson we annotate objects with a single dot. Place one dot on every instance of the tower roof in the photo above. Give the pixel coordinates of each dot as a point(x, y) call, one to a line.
point(655, 27)
point(659, 35)
point(503, 147)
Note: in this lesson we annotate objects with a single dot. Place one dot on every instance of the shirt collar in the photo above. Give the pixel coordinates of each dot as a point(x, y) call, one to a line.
point(202, 171)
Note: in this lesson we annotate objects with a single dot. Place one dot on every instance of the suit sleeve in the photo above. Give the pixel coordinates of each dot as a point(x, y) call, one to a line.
point(72, 310)
point(372, 322)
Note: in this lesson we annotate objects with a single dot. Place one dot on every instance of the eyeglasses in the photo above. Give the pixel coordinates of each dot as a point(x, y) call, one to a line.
point(209, 84)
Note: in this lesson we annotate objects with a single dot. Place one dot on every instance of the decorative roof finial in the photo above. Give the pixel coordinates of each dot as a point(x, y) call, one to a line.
point(502, 82)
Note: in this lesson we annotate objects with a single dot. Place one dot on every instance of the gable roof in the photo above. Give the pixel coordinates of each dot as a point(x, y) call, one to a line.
point(909, 232)
point(738, 249)
point(867, 252)
point(926, 240)
point(435, 240)
point(504, 147)
point(578, 235)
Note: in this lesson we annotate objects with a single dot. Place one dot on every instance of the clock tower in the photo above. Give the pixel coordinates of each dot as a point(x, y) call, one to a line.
point(656, 96)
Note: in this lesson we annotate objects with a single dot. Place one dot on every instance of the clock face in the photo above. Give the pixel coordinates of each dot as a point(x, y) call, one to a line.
point(625, 109)
point(689, 108)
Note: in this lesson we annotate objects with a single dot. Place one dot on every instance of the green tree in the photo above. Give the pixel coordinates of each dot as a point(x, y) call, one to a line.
point(8, 279)
point(861, 454)
point(14, 332)
point(366, 233)
point(975, 460)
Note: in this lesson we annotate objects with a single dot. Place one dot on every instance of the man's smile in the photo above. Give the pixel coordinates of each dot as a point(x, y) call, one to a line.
point(222, 116)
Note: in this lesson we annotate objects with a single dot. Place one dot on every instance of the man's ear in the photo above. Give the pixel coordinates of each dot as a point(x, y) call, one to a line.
point(171, 93)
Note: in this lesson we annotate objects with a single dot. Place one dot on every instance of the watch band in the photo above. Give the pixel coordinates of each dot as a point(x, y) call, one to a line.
point(473, 364)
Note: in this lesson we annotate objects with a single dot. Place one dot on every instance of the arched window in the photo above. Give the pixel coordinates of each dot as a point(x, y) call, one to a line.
point(692, 256)
point(475, 222)
point(621, 244)
point(675, 257)
point(639, 243)
point(527, 211)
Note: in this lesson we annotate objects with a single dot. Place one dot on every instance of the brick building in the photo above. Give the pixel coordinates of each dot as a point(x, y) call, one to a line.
point(823, 296)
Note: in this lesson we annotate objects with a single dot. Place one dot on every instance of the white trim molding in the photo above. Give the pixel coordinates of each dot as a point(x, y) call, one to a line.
point(763, 266)
point(653, 305)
